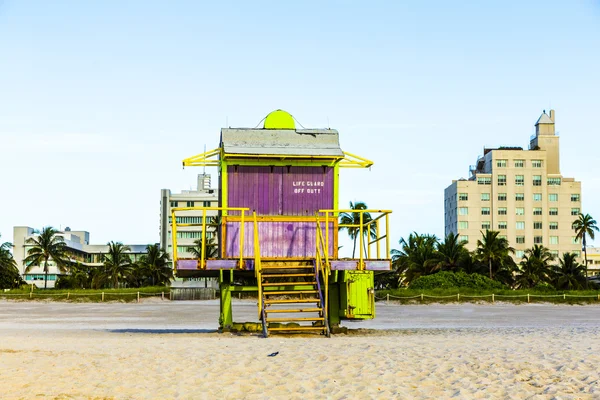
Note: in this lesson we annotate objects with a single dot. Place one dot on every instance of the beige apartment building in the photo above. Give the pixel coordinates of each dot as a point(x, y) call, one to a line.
point(203, 196)
point(520, 193)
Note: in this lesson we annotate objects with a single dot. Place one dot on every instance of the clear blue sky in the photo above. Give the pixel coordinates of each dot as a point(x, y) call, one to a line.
point(100, 101)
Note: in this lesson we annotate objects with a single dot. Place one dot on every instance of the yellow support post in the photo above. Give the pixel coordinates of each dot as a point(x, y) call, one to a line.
point(377, 234)
point(203, 239)
point(361, 265)
point(327, 232)
point(174, 239)
point(387, 235)
point(242, 239)
point(257, 266)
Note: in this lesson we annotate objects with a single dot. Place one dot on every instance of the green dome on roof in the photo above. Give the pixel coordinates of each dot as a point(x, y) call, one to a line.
point(279, 119)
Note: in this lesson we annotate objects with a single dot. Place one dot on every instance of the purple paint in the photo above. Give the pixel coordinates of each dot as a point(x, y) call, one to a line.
point(277, 239)
point(280, 190)
point(187, 264)
point(221, 264)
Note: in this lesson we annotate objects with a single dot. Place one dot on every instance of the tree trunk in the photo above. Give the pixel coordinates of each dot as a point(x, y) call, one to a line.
point(45, 274)
point(586, 265)
point(354, 247)
point(490, 262)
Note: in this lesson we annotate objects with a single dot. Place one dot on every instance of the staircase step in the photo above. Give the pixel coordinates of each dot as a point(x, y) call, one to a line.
point(298, 328)
point(269, 311)
point(288, 283)
point(285, 275)
point(266, 293)
point(288, 301)
point(291, 319)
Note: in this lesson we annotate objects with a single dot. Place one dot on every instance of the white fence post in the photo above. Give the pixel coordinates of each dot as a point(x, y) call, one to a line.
point(102, 296)
point(138, 297)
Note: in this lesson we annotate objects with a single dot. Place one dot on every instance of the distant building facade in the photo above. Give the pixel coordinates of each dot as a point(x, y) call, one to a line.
point(520, 193)
point(593, 256)
point(203, 196)
point(79, 250)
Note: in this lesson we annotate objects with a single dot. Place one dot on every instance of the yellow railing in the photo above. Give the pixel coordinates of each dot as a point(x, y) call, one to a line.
point(323, 267)
point(258, 266)
point(366, 218)
point(202, 261)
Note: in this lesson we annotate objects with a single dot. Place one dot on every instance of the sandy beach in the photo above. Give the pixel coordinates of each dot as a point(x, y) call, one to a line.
point(170, 350)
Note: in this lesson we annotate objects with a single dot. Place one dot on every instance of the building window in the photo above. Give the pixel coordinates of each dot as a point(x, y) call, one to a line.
point(519, 163)
point(520, 239)
point(519, 211)
point(553, 181)
point(485, 211)
point(538, 239)
point(537, 197)
point(484, 180)
point(553, 211)
point(501, 180)
point(574, 211)
point(463, 211)
point(537, 211)
point(554, 253)
point(520, 196)
point(502, 225)
point(537, 225)
point(575, 197)
point(519, 180)
point(537, 180)
point(501, 196)
point(553, 226)
point(577, 253)
point(174, 204)
point(502, 211)
point(206, 204)
point(464, 239)
point(486, 225)
point(190, 204)
point(553, 239)
point(536, 163)
point(574, 240)
point(463, 196)
point(463, 225)
point(520, 225)
point(189, 235)
point(553, 197)
point(501, 163)
point(519, 253)
point(485, 197)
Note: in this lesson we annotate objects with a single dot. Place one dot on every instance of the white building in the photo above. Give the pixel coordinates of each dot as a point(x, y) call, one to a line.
point(520, 193)
point(79, 250)
point(203, 196)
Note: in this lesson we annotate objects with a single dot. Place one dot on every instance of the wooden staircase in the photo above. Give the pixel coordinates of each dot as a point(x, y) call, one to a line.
point(293, 301)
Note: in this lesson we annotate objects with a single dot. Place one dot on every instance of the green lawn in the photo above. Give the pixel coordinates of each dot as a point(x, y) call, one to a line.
point(408, 296)
point(87, 295)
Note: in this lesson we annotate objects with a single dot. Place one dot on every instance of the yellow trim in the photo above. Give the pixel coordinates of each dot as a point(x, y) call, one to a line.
point(224, 186)
point(258, 267)
point(353, 161)
point(203, 159)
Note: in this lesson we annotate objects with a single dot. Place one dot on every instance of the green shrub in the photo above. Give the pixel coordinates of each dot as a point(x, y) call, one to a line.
point(451, 280)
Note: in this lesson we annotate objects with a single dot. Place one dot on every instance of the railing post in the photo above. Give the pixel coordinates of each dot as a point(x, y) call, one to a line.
point(493, 301)
point(387, 235)
point(162, 295)
point(242, 232)
point(361, 240)
point(204, 237)
point(387, 301)
point(528, 297)
point(138, 297)
point(102, 296)
point(377, 234)
point(327, 231)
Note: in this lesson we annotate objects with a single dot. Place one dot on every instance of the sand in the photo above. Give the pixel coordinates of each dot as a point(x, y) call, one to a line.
point(123, 351)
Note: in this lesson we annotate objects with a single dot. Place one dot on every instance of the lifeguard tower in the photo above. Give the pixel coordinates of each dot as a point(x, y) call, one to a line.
point(277, 229)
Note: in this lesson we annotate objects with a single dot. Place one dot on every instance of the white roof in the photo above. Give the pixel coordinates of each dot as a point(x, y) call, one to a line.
point(544, 119)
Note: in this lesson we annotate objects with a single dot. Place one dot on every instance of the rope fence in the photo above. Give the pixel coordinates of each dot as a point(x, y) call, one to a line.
point(493, 297)
point(102, 295)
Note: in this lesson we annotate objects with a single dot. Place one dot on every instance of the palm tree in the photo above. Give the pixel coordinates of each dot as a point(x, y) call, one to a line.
point(211, 249)
point(117, 263)
point(451, 253)
point(45, 247)
point(9, 273)
point(569, 274)
point(493, 250)
point(416, 258)
point(584, 226)
point(353, 220)
point(156, 266)
point(534, 267)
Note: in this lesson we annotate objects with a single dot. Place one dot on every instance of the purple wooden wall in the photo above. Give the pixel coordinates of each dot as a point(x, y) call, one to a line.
point(277, 239)
point(280, 190)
